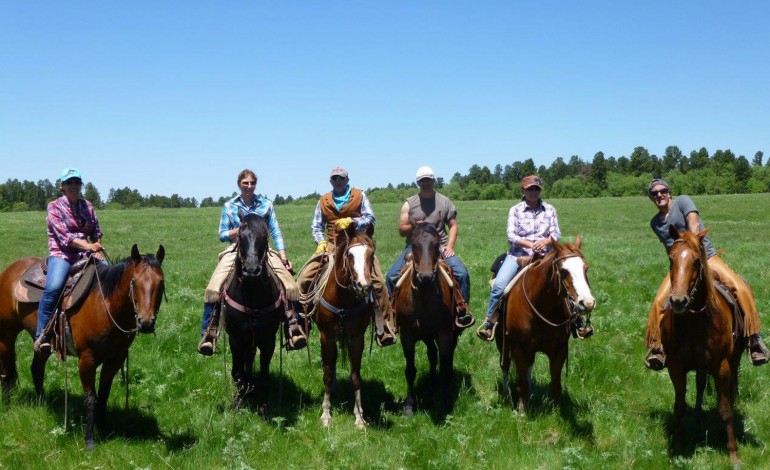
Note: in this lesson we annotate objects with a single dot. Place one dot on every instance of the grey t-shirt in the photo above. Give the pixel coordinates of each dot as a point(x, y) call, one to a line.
point(438, 210)
point(677, 217)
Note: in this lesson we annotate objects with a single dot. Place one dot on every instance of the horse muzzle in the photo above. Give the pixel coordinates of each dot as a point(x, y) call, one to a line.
point(679, 304)
point(145, 326)
point(586, 305)
point(427, 278)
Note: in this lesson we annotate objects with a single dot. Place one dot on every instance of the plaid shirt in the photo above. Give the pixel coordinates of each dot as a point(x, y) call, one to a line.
point(67, 223)
point(260, 206)
point(364, 220)
point(531, 224)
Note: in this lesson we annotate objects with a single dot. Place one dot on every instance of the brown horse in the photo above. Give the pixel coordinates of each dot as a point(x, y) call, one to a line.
point(123, 300)
point(253, 306)
point(344, 312)
point(538, 315)
point(700, 335)
point(424, 308)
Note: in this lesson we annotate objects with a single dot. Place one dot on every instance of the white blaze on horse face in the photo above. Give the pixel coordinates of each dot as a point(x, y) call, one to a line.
point(359, 262)
point(576, 268)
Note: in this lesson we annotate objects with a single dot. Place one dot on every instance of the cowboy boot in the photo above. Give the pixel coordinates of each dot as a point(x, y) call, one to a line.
point(655, 359)
point(209, 330)
point(296, 336)
point(757, 351)
point(385, 335)
point(487, 330)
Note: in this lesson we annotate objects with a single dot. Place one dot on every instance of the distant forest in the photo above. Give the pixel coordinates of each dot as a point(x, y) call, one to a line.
point(697, 173)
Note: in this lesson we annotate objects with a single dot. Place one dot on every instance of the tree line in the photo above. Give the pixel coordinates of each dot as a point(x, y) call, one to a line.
point(697, 173)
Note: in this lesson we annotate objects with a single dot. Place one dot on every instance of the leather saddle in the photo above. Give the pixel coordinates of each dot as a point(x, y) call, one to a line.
point(29, 287)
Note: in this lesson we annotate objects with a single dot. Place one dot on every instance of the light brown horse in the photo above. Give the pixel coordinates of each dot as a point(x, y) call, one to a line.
point(698, 333)
point(424, 307)
point(124, 299)
point(538, 314)
point(344, 312)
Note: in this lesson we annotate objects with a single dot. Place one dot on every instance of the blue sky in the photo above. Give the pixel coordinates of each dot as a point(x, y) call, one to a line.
point(178, 97)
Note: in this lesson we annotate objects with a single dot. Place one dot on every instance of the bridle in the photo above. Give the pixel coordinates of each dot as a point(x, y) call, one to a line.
point(570, 301)
point(694, 289)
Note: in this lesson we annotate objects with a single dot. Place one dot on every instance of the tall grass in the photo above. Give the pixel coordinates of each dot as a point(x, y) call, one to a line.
point(615, 412)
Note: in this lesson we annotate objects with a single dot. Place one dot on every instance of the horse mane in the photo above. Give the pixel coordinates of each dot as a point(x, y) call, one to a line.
point(110, 274)
point(696, 244)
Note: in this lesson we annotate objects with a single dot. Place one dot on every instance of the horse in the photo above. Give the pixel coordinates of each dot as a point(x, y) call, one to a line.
point(424, 309)
point(123, 300)
point(698, 334)
point(344, 311)
point(538, 315)
point(253, 306)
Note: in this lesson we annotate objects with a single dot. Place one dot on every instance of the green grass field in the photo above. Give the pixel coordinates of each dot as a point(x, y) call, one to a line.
point(615, 413)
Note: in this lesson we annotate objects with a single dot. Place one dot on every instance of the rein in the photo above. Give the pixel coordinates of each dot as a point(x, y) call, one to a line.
point(560, 284)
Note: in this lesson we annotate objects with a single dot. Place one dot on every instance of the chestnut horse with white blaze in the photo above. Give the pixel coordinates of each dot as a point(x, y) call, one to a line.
point(539, 313)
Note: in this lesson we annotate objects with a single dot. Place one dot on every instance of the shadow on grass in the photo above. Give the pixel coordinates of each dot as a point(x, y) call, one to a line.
point(375, 400)
point(540, 403)
point(706, 430)
point(428, 394)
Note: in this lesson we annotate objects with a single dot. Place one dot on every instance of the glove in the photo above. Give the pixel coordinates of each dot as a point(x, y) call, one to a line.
point(321, 247)
point(342, 224)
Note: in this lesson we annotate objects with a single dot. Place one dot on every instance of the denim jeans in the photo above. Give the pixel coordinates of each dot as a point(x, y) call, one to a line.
point(58, 268)
point(507, 272)
point(458, 269)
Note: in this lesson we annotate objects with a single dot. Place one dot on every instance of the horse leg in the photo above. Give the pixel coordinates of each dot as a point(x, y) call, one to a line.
point(679, 381)
point(523, 378)
point(447, 345)
point(38, 372)
point(724, 407)
point(9, 376)
point(432, 359)
point(356, 352)
point(329, 358)
point(410, 371)
point(87, 369)
point(505, 350)
point(106, 376)
point(555, 365)
point(237, 372)
point(266, 351)
point(701, 380)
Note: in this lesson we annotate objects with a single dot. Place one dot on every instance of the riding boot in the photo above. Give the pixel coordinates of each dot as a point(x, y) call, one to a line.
point(385, 334)
point(296, 336)
point(42, 343)
point(209, 329)
point(757, 351)
point(581, 329)
point(487, 330)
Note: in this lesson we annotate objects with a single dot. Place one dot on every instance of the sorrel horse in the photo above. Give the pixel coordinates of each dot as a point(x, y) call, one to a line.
point(700, 335)
point(344, 312)
point(124, 299)
point(538, 315)
point(253, 305)
point(424, 307)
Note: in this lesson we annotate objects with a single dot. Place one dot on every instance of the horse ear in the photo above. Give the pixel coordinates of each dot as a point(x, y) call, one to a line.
point(241, 214)
point(135, 255)
point(703, 233)
point(579, 241)
point(160, 254)
point(674, 232)
point(370, 230)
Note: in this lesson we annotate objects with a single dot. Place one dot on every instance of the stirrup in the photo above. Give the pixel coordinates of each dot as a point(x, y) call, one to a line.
point(482, 331)
point(756, 347)
point(207, 346)
point(466, 320)
point(42, 345)
point(297, 339)
point(655, 360)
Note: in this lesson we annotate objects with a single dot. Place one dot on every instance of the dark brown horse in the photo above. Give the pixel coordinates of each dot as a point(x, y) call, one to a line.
point(424, 307)
point(344, 312)
point(253, 306)
point(124, 299)
point(538, 315)
point(700, 335)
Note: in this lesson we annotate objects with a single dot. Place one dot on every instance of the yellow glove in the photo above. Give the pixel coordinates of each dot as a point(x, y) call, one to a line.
point(342, 224)
point(321, 247)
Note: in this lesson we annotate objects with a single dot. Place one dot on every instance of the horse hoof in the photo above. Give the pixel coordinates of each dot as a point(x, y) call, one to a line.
point(361, 424)
point(326, 421)
point(90, 446)
point(409, 411)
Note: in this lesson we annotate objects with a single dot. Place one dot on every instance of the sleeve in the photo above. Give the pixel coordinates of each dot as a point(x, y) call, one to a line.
point(317, 226)
point(513, 227)
point(97, 234)
point(58, 226)
point(225, 224)
point(275, 229)
point(686, 206)
point(367, 215)
point(555, 231)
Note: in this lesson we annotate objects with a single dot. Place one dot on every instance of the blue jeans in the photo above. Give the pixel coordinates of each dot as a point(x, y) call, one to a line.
point(507, 272)
point(458, 269)
point(58, 268)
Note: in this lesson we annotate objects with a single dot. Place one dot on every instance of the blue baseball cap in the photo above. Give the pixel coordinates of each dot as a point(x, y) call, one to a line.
point(70, 173)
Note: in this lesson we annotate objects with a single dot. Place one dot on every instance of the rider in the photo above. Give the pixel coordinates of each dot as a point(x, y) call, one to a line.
point(533, 228)
point(336, 211)
point(71, 223)
point(247, 202)
point(435, 208)
point(682, 214)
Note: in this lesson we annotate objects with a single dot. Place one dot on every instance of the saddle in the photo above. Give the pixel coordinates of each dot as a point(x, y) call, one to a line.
point(29, 288)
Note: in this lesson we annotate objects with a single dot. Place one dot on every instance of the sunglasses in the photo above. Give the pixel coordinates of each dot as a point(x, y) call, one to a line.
point(73, 182)
point(662, 191)
point(533, 188)
point(338, 178)
point(249, 183)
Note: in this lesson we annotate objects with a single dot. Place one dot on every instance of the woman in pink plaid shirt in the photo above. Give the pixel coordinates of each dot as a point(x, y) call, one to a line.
point(73, 231)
